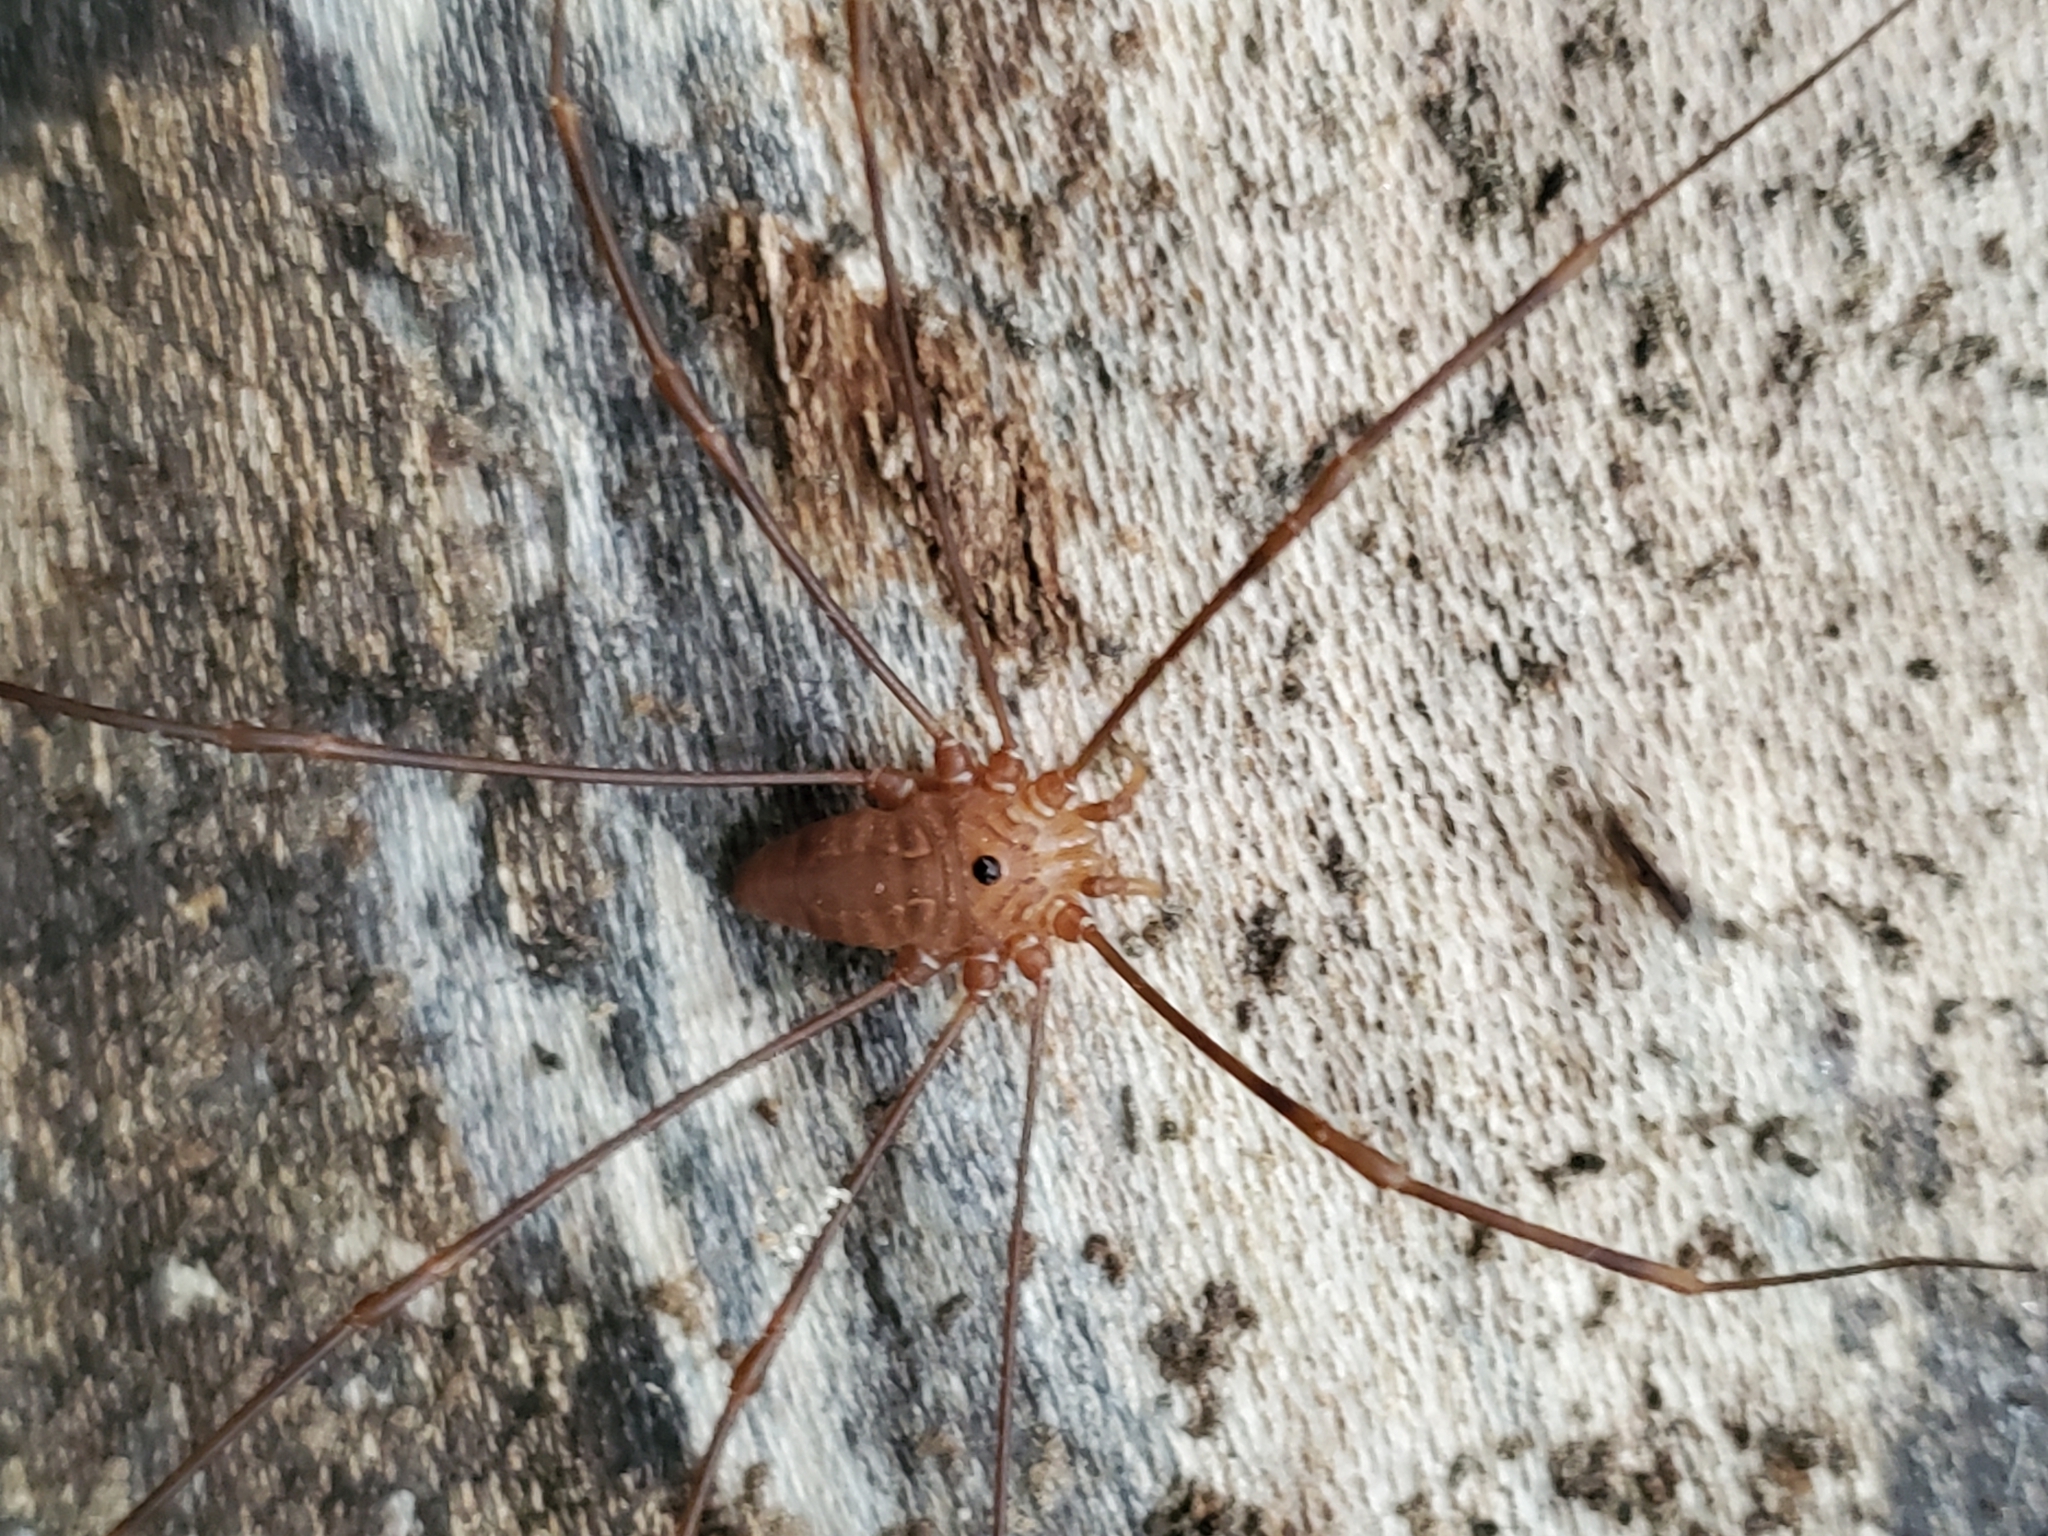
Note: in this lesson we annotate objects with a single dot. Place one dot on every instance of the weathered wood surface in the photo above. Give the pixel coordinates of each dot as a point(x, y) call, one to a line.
point(316, 411)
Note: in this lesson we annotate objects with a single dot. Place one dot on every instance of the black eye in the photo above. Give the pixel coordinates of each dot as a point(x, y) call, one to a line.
point(987, 870)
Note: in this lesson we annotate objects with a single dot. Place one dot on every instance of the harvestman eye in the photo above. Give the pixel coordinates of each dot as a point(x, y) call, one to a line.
point(987, 870)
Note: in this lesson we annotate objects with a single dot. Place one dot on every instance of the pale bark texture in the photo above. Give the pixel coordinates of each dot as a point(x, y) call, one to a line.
point(315, 409)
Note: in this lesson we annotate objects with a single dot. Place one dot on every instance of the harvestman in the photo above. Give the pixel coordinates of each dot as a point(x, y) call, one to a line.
point(980, 952)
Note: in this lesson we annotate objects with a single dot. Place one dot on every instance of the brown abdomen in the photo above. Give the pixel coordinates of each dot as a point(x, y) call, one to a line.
point(881, 879)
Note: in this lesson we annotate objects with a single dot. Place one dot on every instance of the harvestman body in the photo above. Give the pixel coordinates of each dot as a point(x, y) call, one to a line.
point(975, 864)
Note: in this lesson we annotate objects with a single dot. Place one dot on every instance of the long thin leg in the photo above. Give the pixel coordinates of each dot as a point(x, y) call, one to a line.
point(752, 1370)
point(675, 388)
point(861, 41)
point(1390, 1175)
point(377, 1306)
point(1013, 1270)
point(1343, 469)
point(241, 736)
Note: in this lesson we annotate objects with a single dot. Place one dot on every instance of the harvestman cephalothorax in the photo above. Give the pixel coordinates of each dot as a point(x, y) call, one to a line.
point(412, 238)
